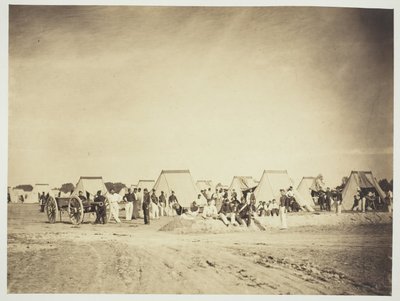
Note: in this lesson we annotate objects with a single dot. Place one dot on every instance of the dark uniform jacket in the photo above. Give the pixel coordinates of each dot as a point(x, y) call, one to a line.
point(146, 201)
point(225, 208)
point(243, 210)
point(130, 197)
point(154, 198)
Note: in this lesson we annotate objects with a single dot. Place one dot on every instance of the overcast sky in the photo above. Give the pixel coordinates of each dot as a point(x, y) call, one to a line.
point(124, 92)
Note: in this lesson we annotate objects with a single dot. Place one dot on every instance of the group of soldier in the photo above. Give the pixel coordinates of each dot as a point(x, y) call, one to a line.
point(330, 197)
point(367, 199)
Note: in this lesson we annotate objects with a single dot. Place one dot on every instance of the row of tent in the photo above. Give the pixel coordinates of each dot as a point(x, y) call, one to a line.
point(186, 190)
point(357, 179)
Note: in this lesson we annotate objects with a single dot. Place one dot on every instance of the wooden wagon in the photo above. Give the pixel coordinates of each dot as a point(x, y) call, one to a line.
point(74, 207)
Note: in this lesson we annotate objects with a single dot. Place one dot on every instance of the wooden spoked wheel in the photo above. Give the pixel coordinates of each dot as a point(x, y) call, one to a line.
point(51, 210)
point(75, 210)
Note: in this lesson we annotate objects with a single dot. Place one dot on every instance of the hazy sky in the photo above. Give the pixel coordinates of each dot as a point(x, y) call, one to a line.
point(124, 92)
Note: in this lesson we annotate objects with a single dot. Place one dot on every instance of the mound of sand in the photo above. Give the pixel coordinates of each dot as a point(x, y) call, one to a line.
point(199, 225)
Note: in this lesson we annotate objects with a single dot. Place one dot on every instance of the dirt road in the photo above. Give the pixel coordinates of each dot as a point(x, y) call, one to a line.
point(134, 258)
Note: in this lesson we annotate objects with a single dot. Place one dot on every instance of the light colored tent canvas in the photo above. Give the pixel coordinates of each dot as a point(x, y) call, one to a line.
point(90, 185)
point(272, 181)
point(54, 192)
point(205, 185)
point(362, 179)
point(181, 182)
point(123, 191)
point(38, 189)
point(304, 188)
point(149, 184)
point(16, 194)
point(242, 183)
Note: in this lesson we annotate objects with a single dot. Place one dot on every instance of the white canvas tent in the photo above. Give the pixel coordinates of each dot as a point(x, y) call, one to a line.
point(205, 185)
point(304, 188)
point(272, 181)
point(16, 193)
point(362, 179)
point(123, 191)
point(142, 184)
point(90, 185)
point(181, 182)
point(242, 183)
point(38, 189)
point(54, 192)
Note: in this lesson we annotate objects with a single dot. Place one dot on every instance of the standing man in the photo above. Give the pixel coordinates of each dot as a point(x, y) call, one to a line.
point(114, 198)
point(328, 199)
point(171, 203)
point(208, 193)
point(282, 209)
point(42, 200)
point(252, 197)
point(140, 202)
point(135, 209)
point(129, 198)
point(234, 196)
point(146, 206)
point(162, 202)
point(321, 200)
point(155, 210)
point(100, 208)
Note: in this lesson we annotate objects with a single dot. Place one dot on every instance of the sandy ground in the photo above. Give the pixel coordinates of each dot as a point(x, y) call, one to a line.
point(336, 257)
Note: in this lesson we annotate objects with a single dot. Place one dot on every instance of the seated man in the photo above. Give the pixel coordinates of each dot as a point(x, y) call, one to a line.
point(242, 216)
point(267, 208)
point(225, 212)
point(100, 208)
point(210, 211)
point(295, 206)
point(253, 217)
point(274, 208)
point(370, 200)
point(261, 209)
point(194, 209)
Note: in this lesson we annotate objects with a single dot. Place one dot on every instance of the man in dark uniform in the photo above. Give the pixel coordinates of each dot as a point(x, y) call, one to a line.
point(146, 206)
point(135, 211)
point(242, 215)
point(234, 195)
point(163, 203)
point(129, 198)
point(171, 202)
point(321, 200)
point(328, 199)
point(100, 208)
point(252, 196)
point(42, 200)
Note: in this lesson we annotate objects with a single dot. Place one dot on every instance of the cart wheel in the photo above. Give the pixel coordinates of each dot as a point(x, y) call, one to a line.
point(51, 210)
point(75, 210)
point(108, 211)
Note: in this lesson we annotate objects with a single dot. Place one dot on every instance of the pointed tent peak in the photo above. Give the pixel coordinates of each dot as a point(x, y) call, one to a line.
point(275, 171)
point(308, 178)
point(175, 171)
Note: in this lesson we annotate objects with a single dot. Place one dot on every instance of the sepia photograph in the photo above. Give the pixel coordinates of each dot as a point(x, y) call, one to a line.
point(200, 150)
